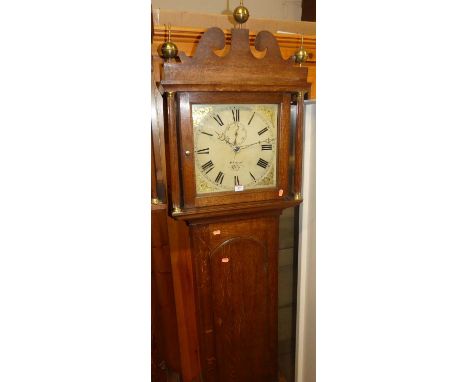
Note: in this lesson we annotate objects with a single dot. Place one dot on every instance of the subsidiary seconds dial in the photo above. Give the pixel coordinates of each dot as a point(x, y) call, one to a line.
point(235, 146)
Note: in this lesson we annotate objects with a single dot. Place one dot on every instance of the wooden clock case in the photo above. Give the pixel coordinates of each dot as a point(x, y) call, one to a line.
point(215, 257)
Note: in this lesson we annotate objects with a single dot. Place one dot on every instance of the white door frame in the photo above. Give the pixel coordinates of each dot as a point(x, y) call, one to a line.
point(305, 328)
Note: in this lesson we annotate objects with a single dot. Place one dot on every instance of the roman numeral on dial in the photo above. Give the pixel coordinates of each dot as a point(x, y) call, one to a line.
point(267, 147)
point(236, 114)
point(218, 119)
point(219, 178)
point(207, 133)
point(253, 177)
point(263, 131)
point(205, 151)
point(262, 163)
point(207, 167)
point(236, 181)
point(250, 120)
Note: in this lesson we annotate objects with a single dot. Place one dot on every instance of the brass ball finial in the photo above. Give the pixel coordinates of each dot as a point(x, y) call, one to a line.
point(301, 55)
point(241, 13)
point(168, 48)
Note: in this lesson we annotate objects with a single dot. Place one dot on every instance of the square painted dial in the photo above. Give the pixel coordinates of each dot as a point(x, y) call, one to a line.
point(235, 146)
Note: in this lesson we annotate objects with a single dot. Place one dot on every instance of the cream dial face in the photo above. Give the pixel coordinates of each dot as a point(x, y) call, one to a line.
point(235, 146)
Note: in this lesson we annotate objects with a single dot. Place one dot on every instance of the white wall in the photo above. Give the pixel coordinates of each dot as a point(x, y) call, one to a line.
point(305, 361)
point(259, 9)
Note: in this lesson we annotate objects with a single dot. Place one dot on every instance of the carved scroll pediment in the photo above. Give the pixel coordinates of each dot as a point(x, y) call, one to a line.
point(238, 68)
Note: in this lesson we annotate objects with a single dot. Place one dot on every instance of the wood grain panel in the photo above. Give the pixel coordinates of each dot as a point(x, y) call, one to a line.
point(241, 299)
point(237, 70)
point(184, 295)
point(164, 328)
point(308, 10)
point(236, 276)
point(187, 40)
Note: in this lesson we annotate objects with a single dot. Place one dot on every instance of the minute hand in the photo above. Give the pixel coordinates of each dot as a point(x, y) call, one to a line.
point(252, 144)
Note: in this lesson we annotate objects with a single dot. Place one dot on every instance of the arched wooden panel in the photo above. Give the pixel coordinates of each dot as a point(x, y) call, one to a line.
point(241, 301)
point(237, 285)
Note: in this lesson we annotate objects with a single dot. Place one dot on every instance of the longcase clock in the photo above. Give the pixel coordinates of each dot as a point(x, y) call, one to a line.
point(227, 153)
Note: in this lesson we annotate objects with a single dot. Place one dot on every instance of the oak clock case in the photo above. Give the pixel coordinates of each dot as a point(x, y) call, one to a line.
point(227, 151)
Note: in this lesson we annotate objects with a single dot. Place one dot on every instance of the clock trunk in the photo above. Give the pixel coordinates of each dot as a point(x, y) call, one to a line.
point(237, 298)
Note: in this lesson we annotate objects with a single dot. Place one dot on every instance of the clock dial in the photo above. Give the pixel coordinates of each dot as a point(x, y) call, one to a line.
point(235, 146)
